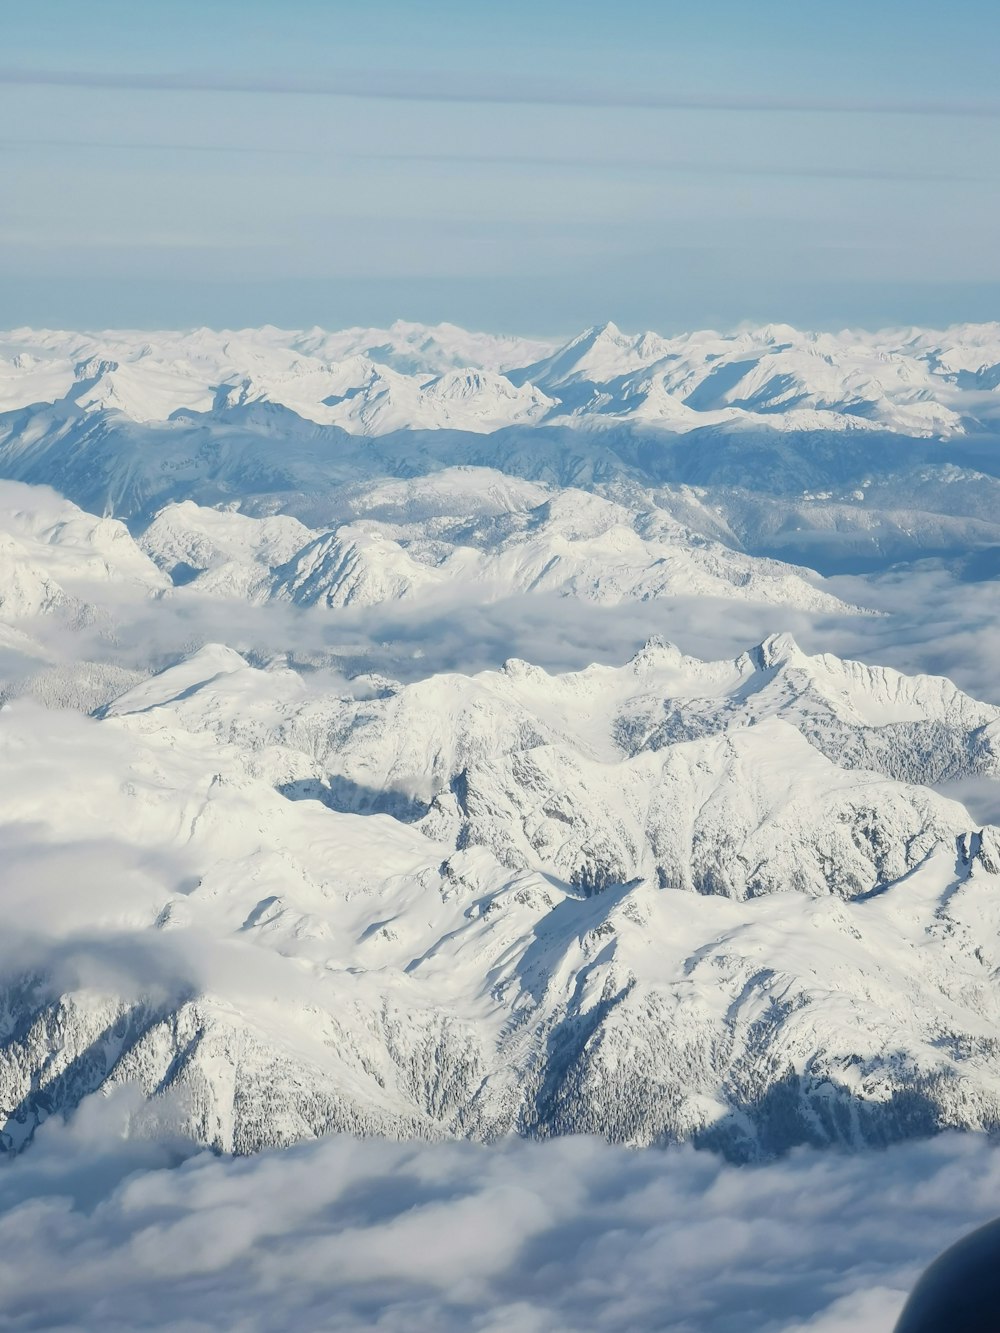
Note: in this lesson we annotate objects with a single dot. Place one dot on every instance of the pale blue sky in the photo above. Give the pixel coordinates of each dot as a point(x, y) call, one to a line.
point(527, 166)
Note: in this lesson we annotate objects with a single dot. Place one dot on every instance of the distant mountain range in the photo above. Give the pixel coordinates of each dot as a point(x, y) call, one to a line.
point(414, 377)
point(840, 452)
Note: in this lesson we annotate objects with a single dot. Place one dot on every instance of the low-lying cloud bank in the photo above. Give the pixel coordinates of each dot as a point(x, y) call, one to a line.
point(100, 1231)
point(921, 618)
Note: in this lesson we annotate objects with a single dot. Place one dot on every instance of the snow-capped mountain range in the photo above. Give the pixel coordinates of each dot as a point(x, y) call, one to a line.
point(841, 452)
point(470, 535)
point(285, 884)
point(375, 381)
point(532, 539)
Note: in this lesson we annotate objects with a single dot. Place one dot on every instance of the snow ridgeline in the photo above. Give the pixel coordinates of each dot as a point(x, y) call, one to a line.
point(567, 542)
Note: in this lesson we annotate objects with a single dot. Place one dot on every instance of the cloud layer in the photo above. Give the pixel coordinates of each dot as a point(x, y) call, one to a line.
point(102, 1231)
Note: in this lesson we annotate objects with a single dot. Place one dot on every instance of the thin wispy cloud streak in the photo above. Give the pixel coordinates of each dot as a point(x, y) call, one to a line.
point(445, 87)
point(673, 168)
point(138, 146)
point(622, 166)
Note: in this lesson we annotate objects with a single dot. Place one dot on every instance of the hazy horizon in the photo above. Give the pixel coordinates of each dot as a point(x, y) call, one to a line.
point(543, 169)
point(557, 337)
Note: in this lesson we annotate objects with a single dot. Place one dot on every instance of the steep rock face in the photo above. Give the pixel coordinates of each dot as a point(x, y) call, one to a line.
point(757, 811)
point(351, 567)
point(918, 729)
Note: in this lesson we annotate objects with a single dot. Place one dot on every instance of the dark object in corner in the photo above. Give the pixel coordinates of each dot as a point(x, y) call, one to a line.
point(960, 1291)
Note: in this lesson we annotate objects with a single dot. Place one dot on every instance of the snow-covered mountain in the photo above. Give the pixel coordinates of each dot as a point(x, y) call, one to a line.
point(643, 901)
point(441, 539)
point(389, 746)
point(465, 533)
point(53, 554)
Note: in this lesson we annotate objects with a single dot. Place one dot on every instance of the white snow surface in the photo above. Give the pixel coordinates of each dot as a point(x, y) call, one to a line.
point(52, 554)
point(464, 533)
point(663, 899)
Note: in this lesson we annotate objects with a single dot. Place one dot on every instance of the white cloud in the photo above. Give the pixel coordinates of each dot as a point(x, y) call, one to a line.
point(97, 1230)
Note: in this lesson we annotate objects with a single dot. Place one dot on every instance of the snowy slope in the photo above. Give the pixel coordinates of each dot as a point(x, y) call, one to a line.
point(718, 901)
point(418, 740)
point(842, 452)
point(349, 379)
point(832, 501)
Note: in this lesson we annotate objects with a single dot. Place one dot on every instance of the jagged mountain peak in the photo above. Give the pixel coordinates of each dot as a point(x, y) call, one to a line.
point(93, 369)
point(778, 650)
point(656, 652)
